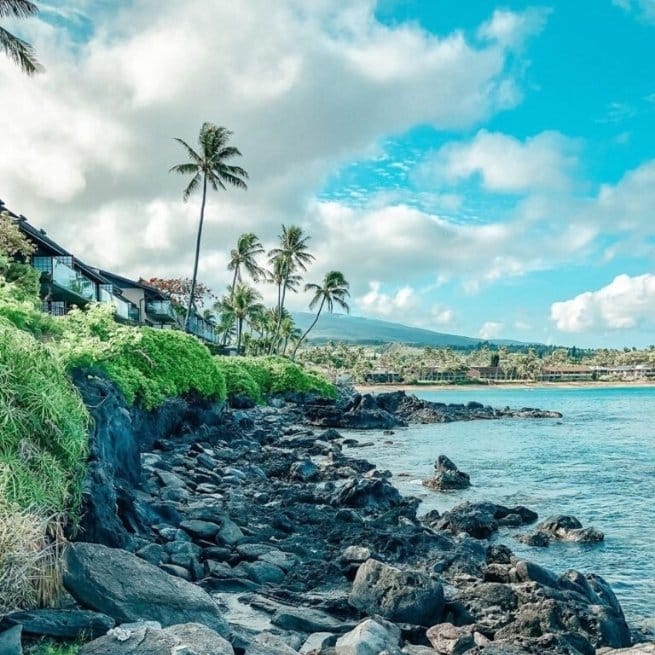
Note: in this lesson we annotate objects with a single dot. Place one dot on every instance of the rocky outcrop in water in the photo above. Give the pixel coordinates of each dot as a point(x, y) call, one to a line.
point(396, 408)
point(300, 546)
point(562, 528)
point(447, 476)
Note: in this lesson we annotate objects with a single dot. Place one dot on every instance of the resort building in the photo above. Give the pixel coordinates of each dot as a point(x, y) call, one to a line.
point(570, 373)
point(67, 282)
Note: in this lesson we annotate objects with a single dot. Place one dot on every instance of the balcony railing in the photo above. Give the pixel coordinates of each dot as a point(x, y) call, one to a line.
point(64, 276)
point(202, 329)
point(161, 310)
point(124, 309)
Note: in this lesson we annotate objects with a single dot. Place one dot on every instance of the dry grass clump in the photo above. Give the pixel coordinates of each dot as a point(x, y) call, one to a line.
point(30, 558)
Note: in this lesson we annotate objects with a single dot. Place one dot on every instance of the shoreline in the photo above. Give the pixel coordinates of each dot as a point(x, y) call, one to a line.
point(412, 388)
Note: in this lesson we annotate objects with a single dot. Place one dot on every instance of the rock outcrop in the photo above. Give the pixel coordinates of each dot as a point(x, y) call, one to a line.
point(447, 476)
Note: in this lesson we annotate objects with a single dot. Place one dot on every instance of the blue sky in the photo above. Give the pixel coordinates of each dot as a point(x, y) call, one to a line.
point(478, 168)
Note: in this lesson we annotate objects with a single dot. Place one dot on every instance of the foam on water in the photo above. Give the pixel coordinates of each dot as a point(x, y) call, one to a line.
point(597, 463)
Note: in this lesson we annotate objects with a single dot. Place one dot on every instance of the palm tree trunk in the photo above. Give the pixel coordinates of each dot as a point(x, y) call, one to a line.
point(234, 282)
point(197, 258)
point(274, 343)
point(309, 329)
point(239, 331)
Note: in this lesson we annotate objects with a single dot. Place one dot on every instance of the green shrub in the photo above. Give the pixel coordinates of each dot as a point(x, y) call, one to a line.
point(271, 375)
point(43, 426)
point(238, 378)
point(147, 364)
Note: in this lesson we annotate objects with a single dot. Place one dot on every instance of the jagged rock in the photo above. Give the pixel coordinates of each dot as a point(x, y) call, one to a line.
point(147, 639)
point(568, 528)
point(366, 494)
point(303, 619)
point(61, 624)
point(304, 470)
point(370, 637)
point(448, 639)
point(401, 596)
point(482, 519)
point(266, 643)
point(317, 642)
point(200, 529)
point(128, 588)
point(447, 476)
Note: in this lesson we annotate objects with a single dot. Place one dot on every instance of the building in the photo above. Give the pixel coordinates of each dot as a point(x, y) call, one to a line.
point(567, 373)
point(382, 376)
point(67, 282)
point(486, 373)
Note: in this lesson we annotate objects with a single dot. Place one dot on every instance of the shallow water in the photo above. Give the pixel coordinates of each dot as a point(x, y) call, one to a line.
point(597, 463)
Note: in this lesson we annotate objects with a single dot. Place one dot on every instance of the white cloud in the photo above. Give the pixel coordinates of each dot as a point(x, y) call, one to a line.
point(506, 164)
point(624, 303)
point(644, 9)
point(404, 305)
point(512, 29)
point(490, 330)
point(304, 86)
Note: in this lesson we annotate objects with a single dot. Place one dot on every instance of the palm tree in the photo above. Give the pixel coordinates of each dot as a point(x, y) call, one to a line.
point(334, 289)
point(208, 167)
point(245, 254)
point(289, 331)
point(17, 49)
point(292, 255)
point(243, 306)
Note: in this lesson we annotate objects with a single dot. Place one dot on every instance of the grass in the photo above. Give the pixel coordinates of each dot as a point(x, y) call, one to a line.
point(30, 562)
point(52, 648)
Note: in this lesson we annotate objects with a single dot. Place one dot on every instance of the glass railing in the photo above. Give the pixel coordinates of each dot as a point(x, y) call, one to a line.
point(122, 307)
point(202, 329)
point(161, 308)
point(134, 313)
point(66, 277)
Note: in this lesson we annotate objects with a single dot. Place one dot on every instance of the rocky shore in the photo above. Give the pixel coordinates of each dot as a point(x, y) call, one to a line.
point(254, 531)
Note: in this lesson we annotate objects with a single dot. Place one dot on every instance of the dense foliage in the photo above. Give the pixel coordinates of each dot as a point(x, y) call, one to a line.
point(43, 425)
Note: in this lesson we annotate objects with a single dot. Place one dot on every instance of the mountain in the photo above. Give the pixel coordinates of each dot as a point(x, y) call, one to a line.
point(357, 329)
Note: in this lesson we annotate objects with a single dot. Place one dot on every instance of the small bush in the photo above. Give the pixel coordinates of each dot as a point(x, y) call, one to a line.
point(238, 378)
point(30, 558)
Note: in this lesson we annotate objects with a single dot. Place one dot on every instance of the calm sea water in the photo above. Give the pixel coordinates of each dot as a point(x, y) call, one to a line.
point(597, 463)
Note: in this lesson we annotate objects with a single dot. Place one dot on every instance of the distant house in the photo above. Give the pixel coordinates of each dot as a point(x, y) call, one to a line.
point(67, 282)
point(436, 374)
point(568, 373)
point(627, 371)
point(486, 373)
point(382, 376)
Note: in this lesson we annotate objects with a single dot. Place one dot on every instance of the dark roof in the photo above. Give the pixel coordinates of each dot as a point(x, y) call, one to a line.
point(119, 280)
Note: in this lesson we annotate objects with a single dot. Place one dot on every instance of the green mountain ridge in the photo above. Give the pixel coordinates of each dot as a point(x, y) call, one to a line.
point(361, 330)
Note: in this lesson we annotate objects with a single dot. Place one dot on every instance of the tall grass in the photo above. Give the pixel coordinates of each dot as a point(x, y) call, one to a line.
point(30, 558)
point(43, 426)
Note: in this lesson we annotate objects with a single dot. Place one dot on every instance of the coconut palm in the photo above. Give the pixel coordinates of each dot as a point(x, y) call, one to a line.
point(292, 255)
point(17, 49)
point(289, 332)
point(242, 306)
point(334, 289)
point(245, 255)
point(208, 167)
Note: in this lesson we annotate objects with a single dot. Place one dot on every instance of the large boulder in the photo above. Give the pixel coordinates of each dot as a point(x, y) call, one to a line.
point(447, 476)
point(476, 519)
point(370, 637)
point(128, 588)
point(150, 639)
point(10, 641)
point(396, 595)
point(568, 528)
point(368, 494)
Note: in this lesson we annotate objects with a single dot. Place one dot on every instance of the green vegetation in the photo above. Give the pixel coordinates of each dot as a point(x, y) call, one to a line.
point(43, 425)
point(53, 648)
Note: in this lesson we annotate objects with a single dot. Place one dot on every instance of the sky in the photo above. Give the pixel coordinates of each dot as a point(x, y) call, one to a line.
point(474, 168)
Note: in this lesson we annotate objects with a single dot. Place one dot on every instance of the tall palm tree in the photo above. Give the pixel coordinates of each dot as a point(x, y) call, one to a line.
point(17, 49)
point(243, 306)
point(334, 289)
point(245, 254)
point(208, 167)
point(289, 332)
point(292, 255)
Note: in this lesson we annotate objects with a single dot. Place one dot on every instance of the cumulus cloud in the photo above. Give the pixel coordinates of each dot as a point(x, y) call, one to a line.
point(490, 330)
point(405, 305)
point(507, 164)
point(624, 303)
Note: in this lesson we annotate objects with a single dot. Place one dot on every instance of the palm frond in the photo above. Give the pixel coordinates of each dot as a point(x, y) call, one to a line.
point(18, 8)
point(20, 51)
point(190, 151)
point(192, 186)
point(184, 169)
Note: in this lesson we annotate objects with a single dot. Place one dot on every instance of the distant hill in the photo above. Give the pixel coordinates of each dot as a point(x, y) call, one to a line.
point(356, 329)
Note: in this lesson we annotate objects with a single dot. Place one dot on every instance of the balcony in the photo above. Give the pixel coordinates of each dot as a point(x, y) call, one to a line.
point(202, 329)
point(161, 311)
point(68, 283)
point(125, 311)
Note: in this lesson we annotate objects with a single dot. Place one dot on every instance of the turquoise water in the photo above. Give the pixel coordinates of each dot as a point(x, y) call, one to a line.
point(597, 463)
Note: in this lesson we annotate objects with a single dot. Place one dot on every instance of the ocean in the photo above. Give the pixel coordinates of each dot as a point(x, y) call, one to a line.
point(596, 463)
